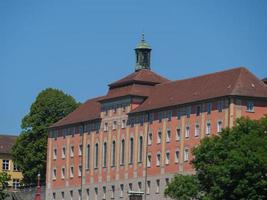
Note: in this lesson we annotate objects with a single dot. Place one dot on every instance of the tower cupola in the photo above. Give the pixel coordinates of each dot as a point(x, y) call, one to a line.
point(142, 52)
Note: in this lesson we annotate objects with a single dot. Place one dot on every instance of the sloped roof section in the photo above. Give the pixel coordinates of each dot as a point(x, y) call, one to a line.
point(144, 76)
point(90, 110)
point(237, 82)
point(6, 143)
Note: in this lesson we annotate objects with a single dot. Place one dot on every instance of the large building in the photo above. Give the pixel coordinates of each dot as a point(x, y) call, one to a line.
point(6, 161)
point(141, 133)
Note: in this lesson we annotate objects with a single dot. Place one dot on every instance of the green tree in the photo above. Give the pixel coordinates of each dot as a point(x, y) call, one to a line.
point(232, 165)
point(4, 178)
point(29, 151)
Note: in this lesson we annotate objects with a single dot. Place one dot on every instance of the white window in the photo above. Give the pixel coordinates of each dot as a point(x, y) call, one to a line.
point(157, 185)
point(106, 126)
point(176, 156)
point(71, 195)
point(149, 139)
point(197, 130)
point(130, 187)
point(15, 167)
point(208, 128)
point(139, 186)
point(148, 160)
point(159, 137)
point(62, 195)
point(80, 149)
point(219, 126)
point(96, 193)
point(167, 159)
point(186, 155)
point(158, 159)
point(87, 194)
point(5, 166)
point(71, 151)
point(80, 194)
point(112, 191)
point(63, 153)
point(71, 171)
point(114, 125)
point(80, 170)
point(178, 134)
point(63, 172)
point(148, 187)
point(104, 192)
point(54, 174)
point(250, 106)
point(122, 190)
point(16, 184)
point(168, 135)
point(54, 196)
point(123, 123)
point(187, 132)
point(55, 154)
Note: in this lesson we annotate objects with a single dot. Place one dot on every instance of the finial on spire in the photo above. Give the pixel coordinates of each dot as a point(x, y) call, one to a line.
point(143, 37)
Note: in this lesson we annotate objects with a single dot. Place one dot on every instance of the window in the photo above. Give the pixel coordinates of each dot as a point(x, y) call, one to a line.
point(71, 195)
point(179, 114)
point(122, 190)
point(197, 130)
point(123, 123)
point(188, 111)
point(16, 184)
point(104, 192)
point(62, 195)
point(123, 108)
point(114, 126)
point(106, 126)
point(54, 174)
point(130, 187)
point(105, 154)
point(140, 152)
point(169, 115)
point(151, 118)
point(159, 137)
point(176, 156)
point(209, 107)
point(168, 135)
point(113, 153)
point(63, 172)
point(114, 109)
point(71, 151)
point(88, 157)
point(148, 187)
point(208, 128)
point(80, 170)
point(250, 106)
point(139, 186)
point(112, 191)
point(220, 106)
point(5, 166)
point(15, 167)
point(87, 194)
point(96, 155)
point(157, 186)
point(71, 171)
point(167, 180)
point(149, 160)
point(80, 194)
point(54, 196)
point(198, 110)
point(219, 126)
point(187, 132)
point(131, 151)
point(167, 159)
point(149, 139)
point(63, 153)
point(122, 152)
point(158, 159)
point(55, 154)
point(160, 116)
point(80, 149)
point(186, 155)
point(96, 193)
point(178, 134)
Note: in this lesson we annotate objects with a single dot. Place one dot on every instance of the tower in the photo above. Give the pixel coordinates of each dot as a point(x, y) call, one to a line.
point(142, 52)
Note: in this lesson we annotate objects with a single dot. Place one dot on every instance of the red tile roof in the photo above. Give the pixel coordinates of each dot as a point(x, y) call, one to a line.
point(6, 143)
point(237, 82)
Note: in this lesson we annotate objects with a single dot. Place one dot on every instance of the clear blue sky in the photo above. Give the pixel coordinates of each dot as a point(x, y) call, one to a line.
point(81, 46)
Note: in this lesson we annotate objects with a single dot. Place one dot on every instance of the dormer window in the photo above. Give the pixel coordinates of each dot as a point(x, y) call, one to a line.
point(250, 106)
point(106, 126)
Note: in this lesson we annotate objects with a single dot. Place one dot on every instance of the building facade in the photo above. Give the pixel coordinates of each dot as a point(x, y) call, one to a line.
point(141, 133)
point(6, 161)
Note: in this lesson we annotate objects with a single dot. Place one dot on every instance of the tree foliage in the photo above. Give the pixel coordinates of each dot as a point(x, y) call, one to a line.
point(29, 152)
point(4, 178)
point(232, 165)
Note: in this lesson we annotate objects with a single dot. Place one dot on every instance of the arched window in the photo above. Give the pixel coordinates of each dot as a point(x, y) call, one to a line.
point(113, 153)
point(96, 155)
point(105, 154)
point(140, 152)
point(131, 151)
point(88, 157)
point(122, 151)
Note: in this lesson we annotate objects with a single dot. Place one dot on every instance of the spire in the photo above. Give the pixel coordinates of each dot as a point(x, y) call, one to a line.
point(142, 52)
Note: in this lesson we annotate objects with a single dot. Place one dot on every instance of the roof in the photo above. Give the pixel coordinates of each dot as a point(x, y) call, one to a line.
point(143, 76)
point(237, 82)
point(90, 110)
point(265, 80)
point(6, 143)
